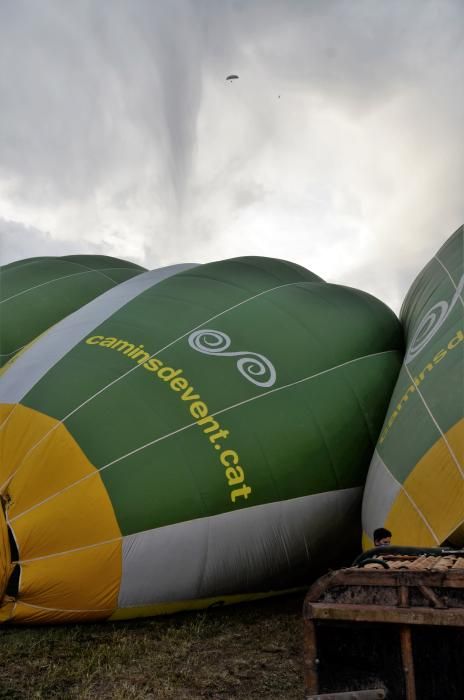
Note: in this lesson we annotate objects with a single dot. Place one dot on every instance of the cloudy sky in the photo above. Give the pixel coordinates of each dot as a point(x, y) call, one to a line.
point(340, 146)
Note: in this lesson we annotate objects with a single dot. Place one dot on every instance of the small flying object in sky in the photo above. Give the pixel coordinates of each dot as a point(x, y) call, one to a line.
point(232, 77)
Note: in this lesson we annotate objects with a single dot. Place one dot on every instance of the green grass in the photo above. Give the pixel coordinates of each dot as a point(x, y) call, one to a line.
point(252, 650)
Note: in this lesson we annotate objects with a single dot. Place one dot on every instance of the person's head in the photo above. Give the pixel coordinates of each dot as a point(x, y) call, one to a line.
point(382, 537)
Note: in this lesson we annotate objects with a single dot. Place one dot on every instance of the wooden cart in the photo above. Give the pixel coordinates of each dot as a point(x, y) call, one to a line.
point(389, 626)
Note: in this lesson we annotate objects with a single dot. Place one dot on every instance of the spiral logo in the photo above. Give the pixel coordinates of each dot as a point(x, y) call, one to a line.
point(253, 366)
point(431, 323)
point(209, 342)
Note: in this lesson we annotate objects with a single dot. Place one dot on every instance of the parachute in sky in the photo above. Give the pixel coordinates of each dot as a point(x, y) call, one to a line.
point(232, 77)
point(38, 292)
point(415, 485)
point(195, 436)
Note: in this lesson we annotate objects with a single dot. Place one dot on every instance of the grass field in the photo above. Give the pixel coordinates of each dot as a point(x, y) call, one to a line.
point(252, 650)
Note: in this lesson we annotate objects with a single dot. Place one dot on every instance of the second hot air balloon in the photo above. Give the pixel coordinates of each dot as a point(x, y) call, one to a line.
point(415, 485)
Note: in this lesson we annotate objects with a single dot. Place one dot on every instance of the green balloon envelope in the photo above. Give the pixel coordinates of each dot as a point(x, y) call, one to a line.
point(415, 485)
point(210, 434)
point(38, 292)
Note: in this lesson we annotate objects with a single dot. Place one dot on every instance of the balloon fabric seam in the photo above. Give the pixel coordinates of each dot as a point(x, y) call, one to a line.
point(417, 380)
point(229, 458)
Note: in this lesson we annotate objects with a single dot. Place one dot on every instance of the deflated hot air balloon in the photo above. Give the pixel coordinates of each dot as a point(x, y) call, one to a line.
point(38, 292)
point(415, 485)
point(195, 436)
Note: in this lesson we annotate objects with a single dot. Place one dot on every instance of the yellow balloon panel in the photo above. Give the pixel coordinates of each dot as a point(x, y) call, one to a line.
point(435, 488)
